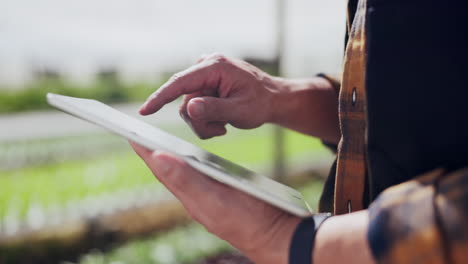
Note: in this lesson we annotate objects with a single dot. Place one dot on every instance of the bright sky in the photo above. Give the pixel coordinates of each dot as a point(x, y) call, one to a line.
point(144, 37)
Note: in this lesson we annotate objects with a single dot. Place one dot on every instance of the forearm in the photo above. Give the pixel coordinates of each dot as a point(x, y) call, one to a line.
point(340, 239)
point(309, 106)
point(343, 239)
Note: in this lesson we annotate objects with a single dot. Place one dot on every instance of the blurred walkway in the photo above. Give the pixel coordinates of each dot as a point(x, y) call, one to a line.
point(52, 124)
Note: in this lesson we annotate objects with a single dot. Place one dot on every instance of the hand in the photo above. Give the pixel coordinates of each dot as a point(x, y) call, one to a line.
point(218, 90)
point(259, 230)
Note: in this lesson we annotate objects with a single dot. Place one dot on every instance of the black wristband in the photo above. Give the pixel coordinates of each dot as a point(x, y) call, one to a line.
point(302, 243)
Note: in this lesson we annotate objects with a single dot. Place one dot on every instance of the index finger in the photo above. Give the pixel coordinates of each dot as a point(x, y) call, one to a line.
point(188, 81)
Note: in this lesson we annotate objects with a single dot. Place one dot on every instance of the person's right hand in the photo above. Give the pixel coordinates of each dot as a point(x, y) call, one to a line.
point(218, 91)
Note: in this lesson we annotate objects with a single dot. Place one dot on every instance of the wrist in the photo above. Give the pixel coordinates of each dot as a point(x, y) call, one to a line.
point(275, 249)
point(283, 99)
point(290, 96)
point(276, 88)
point(303, 240)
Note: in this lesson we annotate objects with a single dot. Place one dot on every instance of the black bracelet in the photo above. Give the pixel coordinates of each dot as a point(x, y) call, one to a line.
point(302, 243)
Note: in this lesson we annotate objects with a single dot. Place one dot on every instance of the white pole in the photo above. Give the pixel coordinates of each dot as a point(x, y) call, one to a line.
point(279, 159)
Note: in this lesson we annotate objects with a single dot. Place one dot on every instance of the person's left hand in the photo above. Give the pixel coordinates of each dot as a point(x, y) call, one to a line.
point(257, 229)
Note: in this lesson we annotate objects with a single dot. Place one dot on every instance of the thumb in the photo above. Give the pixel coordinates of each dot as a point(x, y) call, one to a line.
point(212, 109)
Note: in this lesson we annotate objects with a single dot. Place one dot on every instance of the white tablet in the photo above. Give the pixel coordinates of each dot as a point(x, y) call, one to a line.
point(222, 170)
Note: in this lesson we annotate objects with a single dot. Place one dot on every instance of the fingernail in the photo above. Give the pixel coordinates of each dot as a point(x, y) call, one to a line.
point(162, 165)
point(142, 107)
point(198, 108)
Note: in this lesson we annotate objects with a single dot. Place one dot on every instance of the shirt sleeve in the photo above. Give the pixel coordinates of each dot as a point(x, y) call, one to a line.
point(336, 84)
point(334, 81)
point(422, 221)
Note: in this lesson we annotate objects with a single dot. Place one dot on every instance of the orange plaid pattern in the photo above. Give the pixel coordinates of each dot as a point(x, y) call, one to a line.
point(422, 221)
point(351, 165)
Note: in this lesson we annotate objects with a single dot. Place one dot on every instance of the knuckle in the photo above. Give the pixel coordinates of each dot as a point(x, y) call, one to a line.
point(183, 112)
point(202, 57)
point(218, 57)
point(203, 135)
point(153, 95)
point(176, 76)
point(183, 115)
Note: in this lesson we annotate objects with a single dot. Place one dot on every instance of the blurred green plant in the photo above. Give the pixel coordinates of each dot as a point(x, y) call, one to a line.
point(189, 244)
point(56, 185)
point(37, 196)
point(106, 88)
point(182, 245)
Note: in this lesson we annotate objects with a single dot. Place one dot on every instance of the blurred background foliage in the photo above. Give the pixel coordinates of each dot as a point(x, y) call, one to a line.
point(106, 87)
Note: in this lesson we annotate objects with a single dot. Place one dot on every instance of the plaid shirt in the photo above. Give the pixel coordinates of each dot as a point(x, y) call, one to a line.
point(424, 220)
